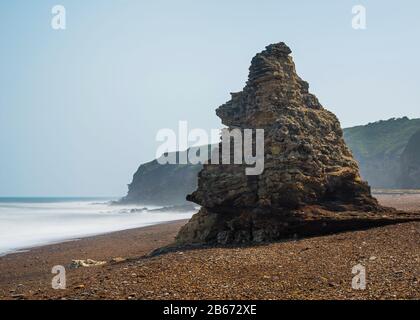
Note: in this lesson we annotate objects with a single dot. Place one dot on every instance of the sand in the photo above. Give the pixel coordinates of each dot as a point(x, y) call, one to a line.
point(312, 268)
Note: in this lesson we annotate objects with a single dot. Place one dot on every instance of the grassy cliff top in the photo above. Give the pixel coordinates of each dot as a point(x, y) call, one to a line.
point(382, 138)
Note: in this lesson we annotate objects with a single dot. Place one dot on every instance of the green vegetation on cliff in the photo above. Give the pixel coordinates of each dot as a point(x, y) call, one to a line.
point(410, 163)
point(381, 138)
point(378, 148)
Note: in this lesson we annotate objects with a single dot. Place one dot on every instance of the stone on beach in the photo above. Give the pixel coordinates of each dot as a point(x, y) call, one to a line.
point(86, 263)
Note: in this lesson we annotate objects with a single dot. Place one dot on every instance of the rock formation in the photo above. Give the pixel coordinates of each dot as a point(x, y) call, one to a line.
point(310, 181)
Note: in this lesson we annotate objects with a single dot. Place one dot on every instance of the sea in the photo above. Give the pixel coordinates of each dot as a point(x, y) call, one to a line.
point(32, 222)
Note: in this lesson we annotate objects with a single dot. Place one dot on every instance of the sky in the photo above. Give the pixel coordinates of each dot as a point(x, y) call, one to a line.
point(80, 108)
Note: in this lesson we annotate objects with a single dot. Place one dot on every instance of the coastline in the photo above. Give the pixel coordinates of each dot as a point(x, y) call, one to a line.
point(408, 201)
point(94, 236)
point(33, 222)
point(32, 267)
point(308, 268)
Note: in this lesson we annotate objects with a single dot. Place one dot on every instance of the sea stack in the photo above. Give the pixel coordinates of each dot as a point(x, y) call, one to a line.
point(310, 183)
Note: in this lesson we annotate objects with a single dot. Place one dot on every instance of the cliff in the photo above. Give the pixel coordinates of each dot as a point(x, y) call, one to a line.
point(410, 164)
point(378, 148)
point(162, 184)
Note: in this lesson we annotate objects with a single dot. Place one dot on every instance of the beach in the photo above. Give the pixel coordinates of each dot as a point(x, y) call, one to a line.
point(311, 268)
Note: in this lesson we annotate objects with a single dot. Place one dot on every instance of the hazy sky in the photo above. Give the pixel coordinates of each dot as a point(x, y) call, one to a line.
point(80, 108)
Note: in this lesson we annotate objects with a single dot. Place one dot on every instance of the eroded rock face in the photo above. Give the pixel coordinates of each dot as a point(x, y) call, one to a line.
point(307, 162)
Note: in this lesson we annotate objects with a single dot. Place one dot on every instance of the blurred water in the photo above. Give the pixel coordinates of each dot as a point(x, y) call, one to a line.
point(30, 222)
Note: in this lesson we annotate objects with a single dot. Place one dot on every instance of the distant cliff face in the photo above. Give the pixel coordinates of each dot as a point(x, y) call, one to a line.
point(378, 147)
point(158, 184)
point(410, 164)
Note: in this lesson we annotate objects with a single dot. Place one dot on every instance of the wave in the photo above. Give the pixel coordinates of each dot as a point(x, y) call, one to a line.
point(26, 224)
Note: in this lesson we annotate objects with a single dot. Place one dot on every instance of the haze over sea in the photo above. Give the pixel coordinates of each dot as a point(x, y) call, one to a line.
point(30, 222)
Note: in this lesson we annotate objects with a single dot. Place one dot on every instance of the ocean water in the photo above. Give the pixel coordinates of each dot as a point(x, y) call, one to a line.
point(31, 222)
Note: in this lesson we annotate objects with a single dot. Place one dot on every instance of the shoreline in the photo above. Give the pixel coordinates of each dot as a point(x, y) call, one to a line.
point(84, 237)
point(387, 197)
point(307, 268)
point(32, 268)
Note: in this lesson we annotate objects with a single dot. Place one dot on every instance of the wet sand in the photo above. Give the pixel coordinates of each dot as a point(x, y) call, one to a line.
point(312, 268)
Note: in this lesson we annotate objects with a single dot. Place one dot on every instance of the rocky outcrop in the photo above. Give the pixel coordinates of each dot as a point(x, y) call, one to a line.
point(310, 180)
point(410, 164)
point(306, 159)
